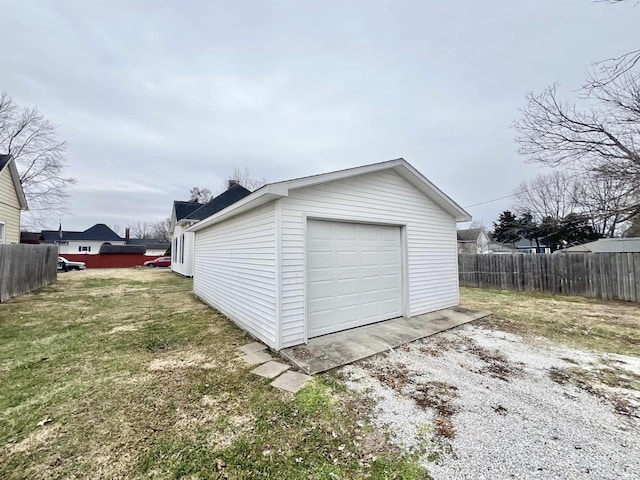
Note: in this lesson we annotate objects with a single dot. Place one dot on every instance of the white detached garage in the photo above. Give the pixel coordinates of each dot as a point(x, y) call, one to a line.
point(315, 255)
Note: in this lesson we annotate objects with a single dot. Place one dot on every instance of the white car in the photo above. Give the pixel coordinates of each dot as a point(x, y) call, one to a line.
point(66, 265)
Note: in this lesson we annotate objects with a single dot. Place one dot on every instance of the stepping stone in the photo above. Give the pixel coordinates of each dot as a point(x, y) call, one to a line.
point(290, 381)
point(252, 348)
point(270, 369)
point(256, 358)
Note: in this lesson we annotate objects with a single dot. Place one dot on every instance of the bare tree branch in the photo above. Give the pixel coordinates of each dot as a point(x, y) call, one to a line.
point(598, 139)
point(40, 157)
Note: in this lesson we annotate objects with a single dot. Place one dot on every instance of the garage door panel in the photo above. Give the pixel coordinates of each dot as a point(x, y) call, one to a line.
point(321, 290)
point(370, 258)
point(353, 277)
point(347, 259)
point(320, 260)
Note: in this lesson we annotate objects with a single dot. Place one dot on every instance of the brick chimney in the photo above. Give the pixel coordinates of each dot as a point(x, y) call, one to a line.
point(127, 232)
point(232, 183)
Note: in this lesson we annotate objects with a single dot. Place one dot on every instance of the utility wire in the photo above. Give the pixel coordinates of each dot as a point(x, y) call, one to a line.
point(521, 192)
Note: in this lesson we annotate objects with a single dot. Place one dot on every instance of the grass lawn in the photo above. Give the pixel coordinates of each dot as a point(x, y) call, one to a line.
point(604, 326)
point(124, 374)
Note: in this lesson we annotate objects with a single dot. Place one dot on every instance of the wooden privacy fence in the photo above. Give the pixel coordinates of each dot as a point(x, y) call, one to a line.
point(24, 268)
point(595, 275)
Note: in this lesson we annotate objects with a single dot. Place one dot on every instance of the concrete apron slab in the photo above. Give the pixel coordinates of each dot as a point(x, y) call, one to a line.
point(341, 348)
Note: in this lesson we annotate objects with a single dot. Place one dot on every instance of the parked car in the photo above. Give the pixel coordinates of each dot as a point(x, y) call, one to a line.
point(66, 265)
point(158, 262)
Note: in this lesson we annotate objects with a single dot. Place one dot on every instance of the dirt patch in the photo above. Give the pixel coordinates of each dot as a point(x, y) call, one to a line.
point(438, 396)
point(496, 364)
point(605, 383)
point(35, 440)
point(178, 361)
point(394, 376)
point(123, 328)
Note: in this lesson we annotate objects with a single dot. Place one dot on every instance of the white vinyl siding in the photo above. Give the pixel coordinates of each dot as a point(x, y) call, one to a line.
point(9, 208)
point(86, 247)
point(235, 271)
point(381, 197)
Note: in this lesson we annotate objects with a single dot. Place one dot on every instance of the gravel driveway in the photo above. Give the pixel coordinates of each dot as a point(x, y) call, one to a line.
point(483, 404)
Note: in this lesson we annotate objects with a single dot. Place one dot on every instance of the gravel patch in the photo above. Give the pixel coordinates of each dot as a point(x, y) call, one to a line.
point(482, 404)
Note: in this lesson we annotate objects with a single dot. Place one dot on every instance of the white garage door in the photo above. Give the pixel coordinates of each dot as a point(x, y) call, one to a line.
point(354, 275)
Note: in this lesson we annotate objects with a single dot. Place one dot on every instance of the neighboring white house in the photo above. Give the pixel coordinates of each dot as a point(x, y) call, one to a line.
point(182, 241)
point(12, 200)
point(314, 255)
point(473, 240)
point(185, 214)
point(87, 242)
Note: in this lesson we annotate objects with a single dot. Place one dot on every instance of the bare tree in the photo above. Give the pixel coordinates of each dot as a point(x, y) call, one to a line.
point(479, 224)
point(601, 138)
point(603, 200)
point(161, 229)
point(158, 230)
point(117, 228)
point(141, 229)
point(244, 178)
point(40, 157)
point(200, 195)
point(552, 195)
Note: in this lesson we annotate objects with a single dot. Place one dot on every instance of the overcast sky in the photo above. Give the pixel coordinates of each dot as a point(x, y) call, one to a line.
point(157, 97)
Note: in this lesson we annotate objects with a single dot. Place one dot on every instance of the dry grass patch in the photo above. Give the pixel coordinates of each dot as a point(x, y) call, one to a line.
point(605, 326)
point(140, 379)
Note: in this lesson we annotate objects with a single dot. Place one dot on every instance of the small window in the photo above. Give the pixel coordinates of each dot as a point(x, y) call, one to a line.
point(84, 249)
point(182, 248)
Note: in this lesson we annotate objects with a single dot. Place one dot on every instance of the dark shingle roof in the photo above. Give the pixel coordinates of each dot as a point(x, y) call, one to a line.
point(150, 243)
point(469, 235)
point(4, 159)
point(30, 237)
point(185, 208)
point(222, 201)
point(99, 232)
point(128, 249)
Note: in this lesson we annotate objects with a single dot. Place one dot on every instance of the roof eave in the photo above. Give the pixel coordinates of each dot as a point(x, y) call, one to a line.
point(22, 200)
point(272, 191)
point(260, 197)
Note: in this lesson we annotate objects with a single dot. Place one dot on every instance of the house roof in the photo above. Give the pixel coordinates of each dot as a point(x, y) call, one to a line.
point(228, 197)
point(30, 237)
point(526, 243)
point(183, 209)
point(126, 249)
point(99, 232)
point(272, 191)
point(606, 245)
point(149, 243)
point(469, 234)
point(7, 161)
point(497, 247)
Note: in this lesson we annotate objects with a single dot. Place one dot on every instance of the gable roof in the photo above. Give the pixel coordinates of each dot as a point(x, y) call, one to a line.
point(606, 245)
point(183, 209)
point(99, 232)
point(469, 234)
point(7, 161)
point(272, 191)
point(228, 197)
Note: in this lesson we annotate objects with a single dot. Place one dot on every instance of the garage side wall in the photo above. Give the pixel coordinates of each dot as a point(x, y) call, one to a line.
point(235, 271)
point(380, 197)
